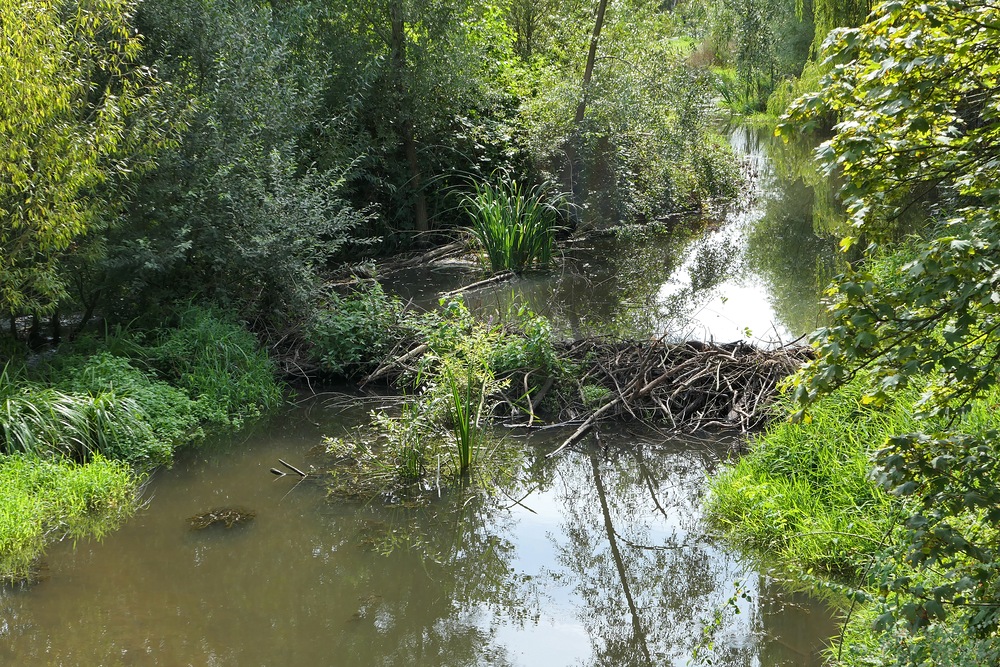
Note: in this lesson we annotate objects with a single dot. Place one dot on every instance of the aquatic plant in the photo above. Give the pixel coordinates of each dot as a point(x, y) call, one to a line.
point(514, 225)
point(352, 334)
point(437, 436)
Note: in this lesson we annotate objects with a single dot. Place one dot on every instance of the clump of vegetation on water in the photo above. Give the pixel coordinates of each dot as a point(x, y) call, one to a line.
point(513, 225)
point(52, 499)
point(353, 333)
point(440, 436)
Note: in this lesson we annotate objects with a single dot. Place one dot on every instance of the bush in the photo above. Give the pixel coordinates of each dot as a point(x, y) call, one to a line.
point(218, 363)
point(352, 334)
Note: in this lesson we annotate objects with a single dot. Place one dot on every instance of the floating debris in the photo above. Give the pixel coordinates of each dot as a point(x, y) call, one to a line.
point(230, 516)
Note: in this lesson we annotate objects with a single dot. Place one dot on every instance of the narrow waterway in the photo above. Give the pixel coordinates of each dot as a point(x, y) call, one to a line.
point(752, 271)
point(603, 560)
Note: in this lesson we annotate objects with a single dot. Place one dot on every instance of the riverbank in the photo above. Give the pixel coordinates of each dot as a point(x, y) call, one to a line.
point(82, 427)
point(808, 500)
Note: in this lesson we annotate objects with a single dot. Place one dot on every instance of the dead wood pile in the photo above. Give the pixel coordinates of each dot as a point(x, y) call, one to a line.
point(684, 386)
point(690, 385)
point(687, 386)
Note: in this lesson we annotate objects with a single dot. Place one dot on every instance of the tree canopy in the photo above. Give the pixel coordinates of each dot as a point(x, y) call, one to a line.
point(74, 103)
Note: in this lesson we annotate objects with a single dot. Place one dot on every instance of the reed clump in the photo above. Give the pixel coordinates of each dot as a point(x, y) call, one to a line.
point(514, 225)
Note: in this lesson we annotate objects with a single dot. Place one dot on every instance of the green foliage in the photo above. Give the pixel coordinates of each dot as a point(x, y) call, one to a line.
point(647, 145)
point(804, 496)
point(206, 372)
point(514, 225)
point(530, 348)
point(914, 91)
point(439, 436)
point(169, 417)
point(420, 90)
point(218, 363)
point(46, 421)
point(352, 334)
point(77, 113)
point(237, 214)
point(46, 500)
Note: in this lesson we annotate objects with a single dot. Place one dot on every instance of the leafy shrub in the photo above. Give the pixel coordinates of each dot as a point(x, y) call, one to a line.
point(353, 333)
point(532, 348)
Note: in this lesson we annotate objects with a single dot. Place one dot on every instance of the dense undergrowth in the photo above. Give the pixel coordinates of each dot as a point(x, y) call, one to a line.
point(81, 426)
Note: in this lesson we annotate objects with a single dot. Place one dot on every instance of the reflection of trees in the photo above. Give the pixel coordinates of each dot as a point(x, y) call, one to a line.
point(610, 287)
point(312, 582)
point(793, 247)
point(648, 580)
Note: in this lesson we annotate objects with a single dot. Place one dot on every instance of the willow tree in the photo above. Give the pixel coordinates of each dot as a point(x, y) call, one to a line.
point(71, 94)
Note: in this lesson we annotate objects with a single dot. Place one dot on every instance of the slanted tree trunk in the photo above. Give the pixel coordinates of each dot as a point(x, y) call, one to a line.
point(572, 151)
point(588, 71)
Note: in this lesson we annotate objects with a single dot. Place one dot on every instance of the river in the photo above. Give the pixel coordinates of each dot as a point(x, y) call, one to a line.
point(605, 560)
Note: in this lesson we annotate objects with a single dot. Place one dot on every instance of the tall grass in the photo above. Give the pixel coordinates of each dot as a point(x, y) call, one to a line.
point(45, 500)
point(803, 496)
point(514, 225)
point(45, 422)
point(219, 364)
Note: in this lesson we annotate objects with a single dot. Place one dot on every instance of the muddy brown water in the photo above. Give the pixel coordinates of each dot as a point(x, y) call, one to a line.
point(605, 562)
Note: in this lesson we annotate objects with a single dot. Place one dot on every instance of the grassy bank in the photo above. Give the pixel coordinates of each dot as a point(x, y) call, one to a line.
point(79, 427)
point(805, 500)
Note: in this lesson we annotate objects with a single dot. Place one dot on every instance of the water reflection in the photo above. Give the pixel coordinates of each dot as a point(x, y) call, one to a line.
point(603, 562)
point(756, 272)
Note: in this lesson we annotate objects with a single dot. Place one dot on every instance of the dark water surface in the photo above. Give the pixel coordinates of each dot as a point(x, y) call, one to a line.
point(605, 562)
point(756, 273)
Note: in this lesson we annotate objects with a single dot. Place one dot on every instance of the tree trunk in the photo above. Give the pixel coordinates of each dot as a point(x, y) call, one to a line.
point(588, 71)
point(572, 153)
point(56, 327)
point(406, 134)
point(638, 633)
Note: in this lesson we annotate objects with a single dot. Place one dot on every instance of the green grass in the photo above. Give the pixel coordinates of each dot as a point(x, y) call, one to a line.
point(514, 225)
point(803, 500)
point(45, 500)
point(803, 496)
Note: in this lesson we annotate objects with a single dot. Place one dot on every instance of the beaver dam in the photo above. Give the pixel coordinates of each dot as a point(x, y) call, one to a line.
point(685, 387)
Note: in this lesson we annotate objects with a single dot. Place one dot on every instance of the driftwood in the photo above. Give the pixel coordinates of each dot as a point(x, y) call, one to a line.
point(684, 386)
point(436, 254)
point(492, 280)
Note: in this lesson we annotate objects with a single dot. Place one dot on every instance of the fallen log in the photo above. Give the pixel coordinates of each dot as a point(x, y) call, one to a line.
point(492, 280)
